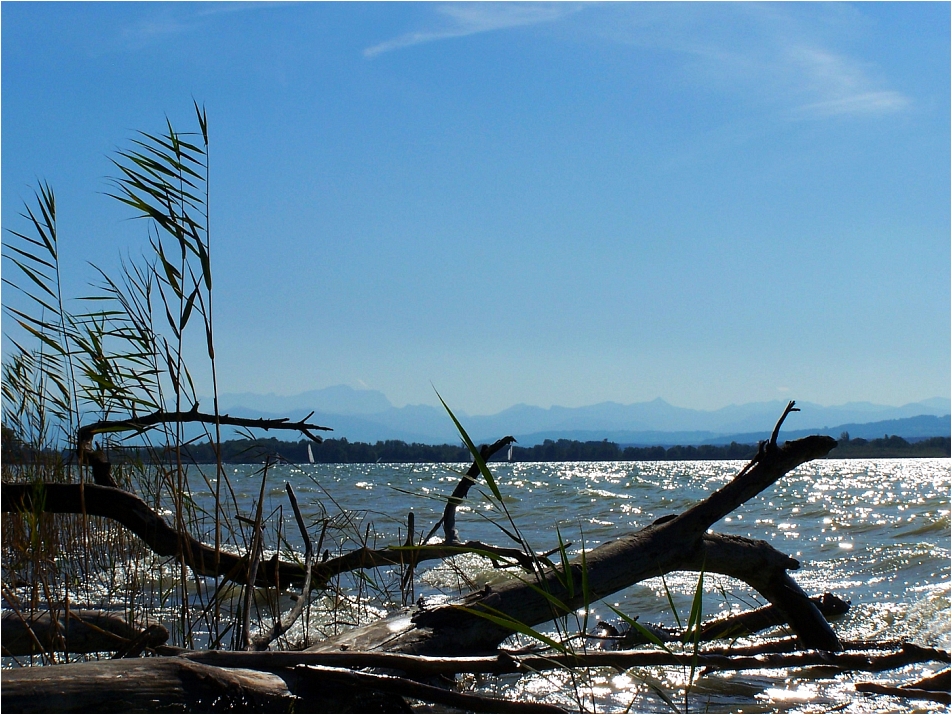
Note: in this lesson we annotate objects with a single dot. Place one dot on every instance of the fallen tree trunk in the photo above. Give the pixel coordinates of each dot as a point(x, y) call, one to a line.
point(181, 684)
point(85, 631)
point(742, 624)
point(672, 543)
point(219, 681)
point(503, 662)
point(134, 514)
point(141, 685)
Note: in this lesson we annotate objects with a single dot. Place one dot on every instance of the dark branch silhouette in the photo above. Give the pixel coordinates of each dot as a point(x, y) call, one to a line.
point(102, 469)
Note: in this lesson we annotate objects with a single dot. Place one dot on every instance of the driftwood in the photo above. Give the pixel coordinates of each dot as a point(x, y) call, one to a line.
point(741, 624)
point(102, 468)
point(449, 638)
point(734, 625)
point(141, 685)
point(458, 628)
point(86, 631)
point(134, 514)
point(680, 542)
point(503, 662)
point(934, 687)
point(185, 684)
point(218, 681)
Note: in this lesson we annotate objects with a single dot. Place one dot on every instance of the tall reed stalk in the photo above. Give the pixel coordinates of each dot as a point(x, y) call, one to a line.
point(121, 354)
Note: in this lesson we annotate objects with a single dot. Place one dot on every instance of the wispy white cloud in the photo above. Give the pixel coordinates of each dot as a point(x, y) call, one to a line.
point(862, 103)
point(839, 85)
point(797, 59)
point(464, 19)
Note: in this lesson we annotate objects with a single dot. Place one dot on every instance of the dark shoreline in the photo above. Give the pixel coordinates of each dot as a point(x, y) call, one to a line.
point(342, 451)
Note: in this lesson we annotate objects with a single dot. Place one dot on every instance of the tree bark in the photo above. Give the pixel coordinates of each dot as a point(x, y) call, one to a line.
point(734, 625)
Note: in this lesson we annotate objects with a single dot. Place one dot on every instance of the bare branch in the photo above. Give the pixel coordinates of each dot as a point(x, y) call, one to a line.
point(448, 521)
point(86, 433)
point(776, 430)
point(102, 469)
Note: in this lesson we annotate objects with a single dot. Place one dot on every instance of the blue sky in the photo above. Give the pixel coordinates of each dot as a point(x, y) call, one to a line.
point(542, 203)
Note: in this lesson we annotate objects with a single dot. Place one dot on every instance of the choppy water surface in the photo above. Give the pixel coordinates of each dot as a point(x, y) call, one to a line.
point(874, 532)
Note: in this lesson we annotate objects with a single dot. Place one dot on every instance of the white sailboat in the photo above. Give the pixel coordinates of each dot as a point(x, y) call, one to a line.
point(310, 454)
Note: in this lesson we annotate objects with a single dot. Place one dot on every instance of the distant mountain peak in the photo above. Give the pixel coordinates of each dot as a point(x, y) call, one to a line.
point(367, 415)
point(336, 399)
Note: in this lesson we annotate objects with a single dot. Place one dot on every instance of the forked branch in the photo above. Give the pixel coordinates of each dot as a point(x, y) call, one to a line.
point(102, 469)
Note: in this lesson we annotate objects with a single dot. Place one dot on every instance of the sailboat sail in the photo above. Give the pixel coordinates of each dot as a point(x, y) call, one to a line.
point(510, 452)
point(310, 454)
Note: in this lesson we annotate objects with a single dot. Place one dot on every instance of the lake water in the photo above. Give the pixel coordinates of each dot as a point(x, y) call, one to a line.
point(874, 532)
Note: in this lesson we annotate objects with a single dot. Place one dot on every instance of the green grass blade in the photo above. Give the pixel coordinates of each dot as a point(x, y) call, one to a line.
point(567, 578)
point(667, 592)
point(694, 619)
point(477, 457)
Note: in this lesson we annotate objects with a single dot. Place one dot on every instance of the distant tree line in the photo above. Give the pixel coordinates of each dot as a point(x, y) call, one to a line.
point(342, 451)
point(890, 446)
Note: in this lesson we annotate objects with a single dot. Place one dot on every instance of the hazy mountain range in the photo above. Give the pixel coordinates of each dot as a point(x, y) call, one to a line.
point(368, 416)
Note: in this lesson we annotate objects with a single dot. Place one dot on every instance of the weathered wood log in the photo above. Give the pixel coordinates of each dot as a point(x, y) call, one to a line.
point(503, 662)
point(134, 514)
point(936, 687)
point(904, 692)
point(86, 631)
point(937, 681)
point(669, 544)
point(141, 685)
point(329, 678)
point(236, 681)
point(177, 684)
